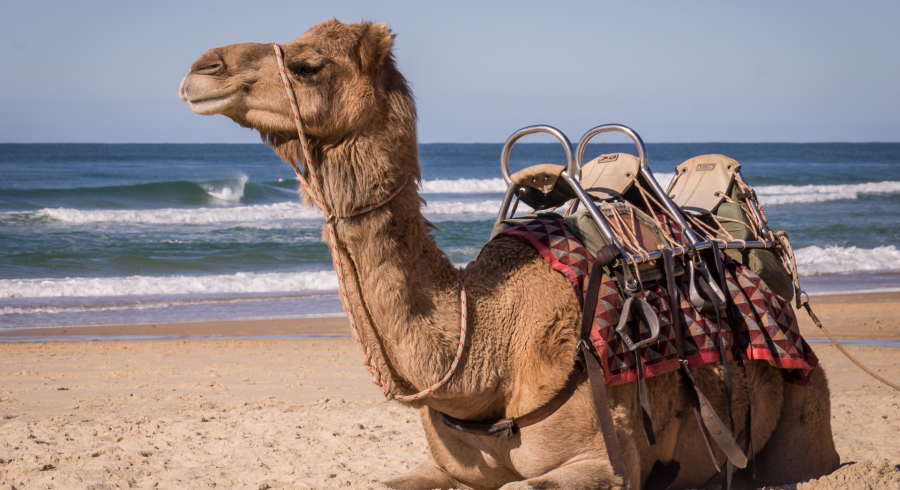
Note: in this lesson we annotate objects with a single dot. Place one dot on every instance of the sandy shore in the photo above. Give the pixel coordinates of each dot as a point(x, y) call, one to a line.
point(850, 316)
point(301, 413)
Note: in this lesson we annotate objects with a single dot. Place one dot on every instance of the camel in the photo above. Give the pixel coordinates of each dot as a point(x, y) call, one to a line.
point(523, 316)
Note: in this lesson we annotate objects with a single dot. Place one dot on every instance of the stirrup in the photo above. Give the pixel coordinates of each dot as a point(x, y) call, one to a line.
point(645, 314)
point(698, 275)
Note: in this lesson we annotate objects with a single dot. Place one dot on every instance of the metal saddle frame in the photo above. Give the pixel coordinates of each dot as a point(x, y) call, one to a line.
point(700, 246)
point(705, 290)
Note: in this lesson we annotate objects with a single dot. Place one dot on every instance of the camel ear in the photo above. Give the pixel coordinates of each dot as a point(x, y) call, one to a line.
point(375, 46)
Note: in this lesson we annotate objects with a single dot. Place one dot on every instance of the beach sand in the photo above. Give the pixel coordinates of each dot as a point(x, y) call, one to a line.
point(301, 413)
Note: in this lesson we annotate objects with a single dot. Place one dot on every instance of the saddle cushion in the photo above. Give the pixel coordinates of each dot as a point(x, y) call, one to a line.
point(766, 327)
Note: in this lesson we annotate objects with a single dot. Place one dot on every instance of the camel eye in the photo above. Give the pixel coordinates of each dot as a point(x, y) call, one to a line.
point(308, 70)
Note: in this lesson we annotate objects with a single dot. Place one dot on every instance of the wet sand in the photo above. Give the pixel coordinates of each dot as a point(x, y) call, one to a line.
point(301, 412)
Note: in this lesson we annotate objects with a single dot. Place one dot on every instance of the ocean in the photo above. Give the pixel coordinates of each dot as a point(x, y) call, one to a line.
point(97, 234)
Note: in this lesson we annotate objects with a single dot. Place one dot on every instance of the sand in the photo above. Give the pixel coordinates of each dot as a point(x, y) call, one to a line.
point(301, 413)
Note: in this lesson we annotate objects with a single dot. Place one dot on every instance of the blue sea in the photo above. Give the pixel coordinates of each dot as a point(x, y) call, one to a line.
point(96, 234)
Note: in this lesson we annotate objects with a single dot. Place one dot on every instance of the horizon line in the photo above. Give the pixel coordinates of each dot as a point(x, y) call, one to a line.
point(480, 143)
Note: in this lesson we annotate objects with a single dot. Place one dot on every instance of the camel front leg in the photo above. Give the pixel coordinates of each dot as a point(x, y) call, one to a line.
point(590, 474)
point(427, 476)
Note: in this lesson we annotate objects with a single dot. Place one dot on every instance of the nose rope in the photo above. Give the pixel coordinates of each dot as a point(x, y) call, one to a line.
point(315, 190)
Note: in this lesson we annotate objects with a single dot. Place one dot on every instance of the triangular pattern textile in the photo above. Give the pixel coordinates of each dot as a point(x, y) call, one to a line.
point(767, 327)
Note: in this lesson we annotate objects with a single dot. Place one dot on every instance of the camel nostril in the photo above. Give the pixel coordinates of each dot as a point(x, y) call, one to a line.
point(209, 69)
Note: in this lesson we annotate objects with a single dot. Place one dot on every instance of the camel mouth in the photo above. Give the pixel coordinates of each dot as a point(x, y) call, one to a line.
point(204, 102)
point(210, 105)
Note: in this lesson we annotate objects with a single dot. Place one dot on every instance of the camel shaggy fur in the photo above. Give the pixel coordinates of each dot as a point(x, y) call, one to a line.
point(524, 318)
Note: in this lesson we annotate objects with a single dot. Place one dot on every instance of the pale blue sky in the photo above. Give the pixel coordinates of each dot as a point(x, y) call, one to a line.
point(675, 71)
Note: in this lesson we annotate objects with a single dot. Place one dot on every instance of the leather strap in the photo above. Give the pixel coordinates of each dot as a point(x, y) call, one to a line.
point(723, 349)
point(694, 400)
point(553, 405)
point(605, 257)
point(748, 424)
point(709, 422)
point(509, 427)
point(604, 414)
point(644, 399)
point(674, 304)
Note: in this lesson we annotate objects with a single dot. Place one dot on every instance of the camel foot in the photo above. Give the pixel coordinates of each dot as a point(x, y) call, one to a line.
point(427, 476)
point(582, 475)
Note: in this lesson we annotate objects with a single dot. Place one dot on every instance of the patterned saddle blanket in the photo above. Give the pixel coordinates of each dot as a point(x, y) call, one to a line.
point(767, 327)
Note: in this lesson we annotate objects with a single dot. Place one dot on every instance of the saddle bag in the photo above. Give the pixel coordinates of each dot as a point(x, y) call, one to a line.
point(708, 187)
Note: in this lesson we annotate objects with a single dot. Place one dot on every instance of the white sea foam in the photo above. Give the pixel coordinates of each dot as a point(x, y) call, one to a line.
point(227, 191)
point(812, 260)
point(139, 305)
point(769, 195)
point(816, 260)
point(463, 186)
point(143, 285)
point(664, 179)
point(188, 216)
point(458, 208)
point(481, 186)
point(795, 194)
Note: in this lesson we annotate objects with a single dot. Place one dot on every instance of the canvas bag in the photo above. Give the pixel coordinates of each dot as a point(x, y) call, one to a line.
point(700, 186)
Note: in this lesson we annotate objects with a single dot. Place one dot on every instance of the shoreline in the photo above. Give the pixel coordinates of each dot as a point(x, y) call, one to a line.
point(858, 316)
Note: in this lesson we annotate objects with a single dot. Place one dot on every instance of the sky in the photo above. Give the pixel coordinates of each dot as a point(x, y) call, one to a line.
point(687, 71)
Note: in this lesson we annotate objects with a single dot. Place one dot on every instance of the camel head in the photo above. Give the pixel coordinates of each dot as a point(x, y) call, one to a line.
point(343, 76)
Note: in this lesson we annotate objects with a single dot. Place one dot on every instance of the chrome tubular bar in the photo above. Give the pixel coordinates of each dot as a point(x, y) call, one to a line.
point(598, 218)
point(540, 128)
point(606, 128)
point(677, 252)
point(572, 175)
point(671, 207)
point(567, 174)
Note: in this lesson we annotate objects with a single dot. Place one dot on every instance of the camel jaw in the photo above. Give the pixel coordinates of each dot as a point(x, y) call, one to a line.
point(203, 98)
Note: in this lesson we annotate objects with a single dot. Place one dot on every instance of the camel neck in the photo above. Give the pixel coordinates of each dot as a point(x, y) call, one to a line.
point(402, 288)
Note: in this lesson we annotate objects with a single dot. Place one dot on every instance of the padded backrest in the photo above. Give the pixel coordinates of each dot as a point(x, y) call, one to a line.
point(542, 186)
point(701, 183)
point(609, 176)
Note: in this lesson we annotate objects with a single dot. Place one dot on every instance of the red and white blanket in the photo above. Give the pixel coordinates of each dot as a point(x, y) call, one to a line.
point(767, 327)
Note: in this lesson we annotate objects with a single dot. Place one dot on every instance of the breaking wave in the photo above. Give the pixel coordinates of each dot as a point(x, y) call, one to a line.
point(817, 260)
point(242, 282)
point(209, 216)
point(182, 216)
point(227, 191)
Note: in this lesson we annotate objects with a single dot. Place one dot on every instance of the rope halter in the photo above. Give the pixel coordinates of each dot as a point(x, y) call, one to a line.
point(314, 186)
